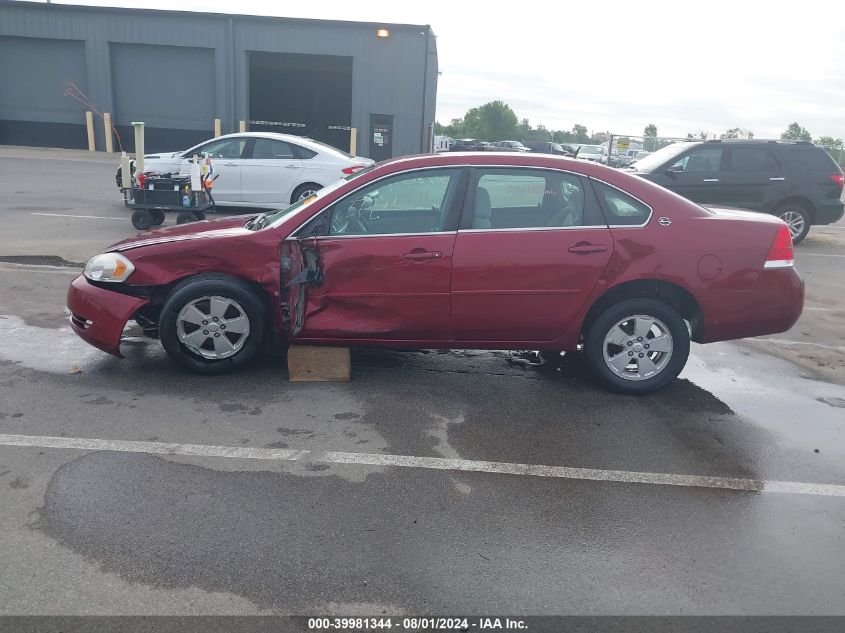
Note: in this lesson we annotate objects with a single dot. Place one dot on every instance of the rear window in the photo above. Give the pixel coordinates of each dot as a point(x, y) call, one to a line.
point(814, 159)
point(753, 159)
point(622, 209)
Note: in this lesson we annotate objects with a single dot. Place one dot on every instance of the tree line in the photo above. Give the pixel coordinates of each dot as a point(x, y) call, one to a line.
point(496, 121)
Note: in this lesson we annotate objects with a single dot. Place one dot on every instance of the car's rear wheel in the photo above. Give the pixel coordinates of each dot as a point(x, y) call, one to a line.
point(304, 191)
point(797, 218)
point(637, 345)
point(212, 324)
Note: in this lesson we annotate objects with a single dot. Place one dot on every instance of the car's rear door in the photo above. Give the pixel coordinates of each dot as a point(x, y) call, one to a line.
point(271, 170)
point(752, 178)
point(385, 257)
point(531, 247)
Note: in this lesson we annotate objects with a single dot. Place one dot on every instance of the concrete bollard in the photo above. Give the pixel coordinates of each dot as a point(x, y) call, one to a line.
point(241, 126)
point(89, 124)
point(108, 131)
point(353, 140)
point(125, 175)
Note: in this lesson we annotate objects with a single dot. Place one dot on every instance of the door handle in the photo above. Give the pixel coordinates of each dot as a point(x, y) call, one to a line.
point(420, 254)
point(777, 179)
point(586, 247)
point(291, 166)
point(710, 180)
point(230, 164)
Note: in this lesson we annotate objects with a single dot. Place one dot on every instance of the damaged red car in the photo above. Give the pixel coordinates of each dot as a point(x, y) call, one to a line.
point(485, 251)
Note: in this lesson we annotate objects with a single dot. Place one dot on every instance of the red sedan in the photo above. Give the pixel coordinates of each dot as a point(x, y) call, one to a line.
point(487, 251)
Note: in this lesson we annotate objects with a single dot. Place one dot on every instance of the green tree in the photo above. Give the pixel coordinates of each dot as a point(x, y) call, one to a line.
point(580, 133)
point(494, 121)
point(737, 132)
point(700, 135)
point(829, 142)
point(796, 133)
point(650, 137)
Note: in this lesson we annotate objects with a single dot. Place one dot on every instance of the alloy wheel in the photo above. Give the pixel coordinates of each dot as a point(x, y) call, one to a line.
point(795, 221)
point(213, 327)
point(637, 347)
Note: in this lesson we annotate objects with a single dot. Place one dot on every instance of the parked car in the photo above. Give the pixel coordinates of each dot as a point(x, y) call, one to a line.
point(456, 251)
point(510, 146)
point(485, 146)
point(797, 181)
point(261, 169)
point(589, 152)
point(548, 147)
point(632, 156)
point(612, 160)
point(464, 145)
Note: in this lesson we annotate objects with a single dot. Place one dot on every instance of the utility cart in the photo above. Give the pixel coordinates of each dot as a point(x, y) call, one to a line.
point(154, 194)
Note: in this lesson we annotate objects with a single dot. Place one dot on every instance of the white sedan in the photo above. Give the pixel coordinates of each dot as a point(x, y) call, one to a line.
point(262, 169)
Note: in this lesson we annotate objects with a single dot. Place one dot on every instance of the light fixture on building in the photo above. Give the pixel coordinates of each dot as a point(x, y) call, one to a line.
point(382, 33)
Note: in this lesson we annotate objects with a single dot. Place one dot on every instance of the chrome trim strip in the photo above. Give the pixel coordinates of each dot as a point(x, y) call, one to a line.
point(537, 228)
point(779, 263)
point(346, 237)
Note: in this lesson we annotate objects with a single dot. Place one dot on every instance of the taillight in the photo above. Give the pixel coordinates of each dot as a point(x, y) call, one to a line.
point(780, 254)
point(351, 170)
point(839, 179)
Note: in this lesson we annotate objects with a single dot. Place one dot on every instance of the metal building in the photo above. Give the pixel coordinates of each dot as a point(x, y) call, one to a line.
point(178, 71)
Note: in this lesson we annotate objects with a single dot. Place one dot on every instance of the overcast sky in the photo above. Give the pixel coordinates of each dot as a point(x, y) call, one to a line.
point(616, 65)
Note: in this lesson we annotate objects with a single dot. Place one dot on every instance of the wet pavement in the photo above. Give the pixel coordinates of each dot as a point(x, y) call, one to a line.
point(105, 532)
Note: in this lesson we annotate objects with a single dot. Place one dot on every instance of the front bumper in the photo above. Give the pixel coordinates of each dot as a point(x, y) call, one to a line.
point(98, 316)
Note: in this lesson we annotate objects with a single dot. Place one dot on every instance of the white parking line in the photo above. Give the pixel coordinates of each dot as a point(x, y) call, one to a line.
point(87, 217)
point(39, 268)
point(819, 309)
point(783, 341)
point(819, 255)
point(432, 463)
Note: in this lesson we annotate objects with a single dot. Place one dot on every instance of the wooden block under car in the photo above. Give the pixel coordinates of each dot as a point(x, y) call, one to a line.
point(319, 364)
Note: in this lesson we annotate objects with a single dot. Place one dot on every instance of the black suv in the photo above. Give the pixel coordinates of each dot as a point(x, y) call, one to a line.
point(797, 181)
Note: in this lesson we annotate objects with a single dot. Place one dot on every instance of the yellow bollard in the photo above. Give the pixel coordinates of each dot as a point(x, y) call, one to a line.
point(242, 127)
point(89, 123)
point(217, 128)
point(353, 140)
point(108, 130)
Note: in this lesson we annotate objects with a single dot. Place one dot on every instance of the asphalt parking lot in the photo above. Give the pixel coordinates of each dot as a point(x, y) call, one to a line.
point(471, 482)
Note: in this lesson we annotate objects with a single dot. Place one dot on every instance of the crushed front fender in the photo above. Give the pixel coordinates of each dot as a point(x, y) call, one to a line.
point(98, 315)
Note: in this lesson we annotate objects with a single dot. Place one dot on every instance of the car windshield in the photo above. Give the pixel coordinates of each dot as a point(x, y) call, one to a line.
point(652, 161)
point(275, 218)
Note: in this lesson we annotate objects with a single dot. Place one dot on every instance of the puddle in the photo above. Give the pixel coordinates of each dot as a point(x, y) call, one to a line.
point(55, 350)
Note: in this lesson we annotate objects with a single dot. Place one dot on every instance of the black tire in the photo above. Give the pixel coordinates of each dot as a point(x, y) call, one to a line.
point(200, 215)
point(594, 343)
point(301, 190)
point(196, 289)
point(794, 213)
point(158, 217)
point(186, 216)
point(143, 220)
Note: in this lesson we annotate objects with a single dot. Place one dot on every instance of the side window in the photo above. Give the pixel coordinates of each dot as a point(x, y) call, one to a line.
point(621, 208)
point(699, 161)
point(226, 148)
point(303, 152)
point(528, 198)
point(416, 202)
point(271, 149)
point(753, 159)
point(814, 159)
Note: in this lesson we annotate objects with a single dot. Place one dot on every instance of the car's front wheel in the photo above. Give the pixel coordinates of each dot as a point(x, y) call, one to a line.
point(637, 345)
point(212, 324)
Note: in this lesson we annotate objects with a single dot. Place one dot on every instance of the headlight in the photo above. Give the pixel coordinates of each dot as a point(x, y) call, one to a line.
point(108, 267)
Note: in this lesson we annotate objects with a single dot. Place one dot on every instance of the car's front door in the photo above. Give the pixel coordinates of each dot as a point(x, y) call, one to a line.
point(270, 172)
point(697, 175)
point(384, 256)
point(531, 247)
point(227, 158)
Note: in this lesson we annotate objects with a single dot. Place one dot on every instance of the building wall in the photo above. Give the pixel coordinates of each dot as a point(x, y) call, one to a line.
point(203, 60)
